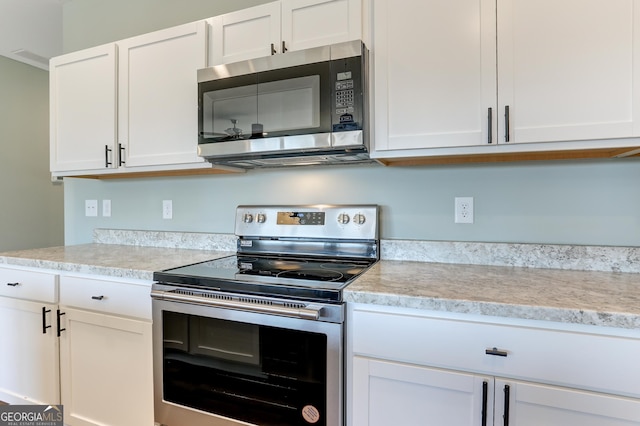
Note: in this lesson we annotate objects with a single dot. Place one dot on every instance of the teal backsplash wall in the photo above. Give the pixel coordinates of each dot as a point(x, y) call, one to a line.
point(594, 203)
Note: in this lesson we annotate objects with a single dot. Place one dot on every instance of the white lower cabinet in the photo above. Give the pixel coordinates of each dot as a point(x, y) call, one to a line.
point(29, 355)
point(391, 393)
point(534, 404)
point(29, 344)
point(414, 367)
point(106, 352)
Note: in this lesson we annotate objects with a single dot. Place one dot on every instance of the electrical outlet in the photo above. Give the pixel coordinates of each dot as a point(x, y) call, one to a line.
point(106, 208)
point(91, 207)
point(464, 210)
point(167, 209)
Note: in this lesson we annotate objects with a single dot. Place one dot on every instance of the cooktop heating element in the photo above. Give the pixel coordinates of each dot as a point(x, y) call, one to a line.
point(301, 252)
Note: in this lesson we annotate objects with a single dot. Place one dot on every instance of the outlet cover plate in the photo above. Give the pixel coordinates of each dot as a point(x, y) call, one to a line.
point(464, 210)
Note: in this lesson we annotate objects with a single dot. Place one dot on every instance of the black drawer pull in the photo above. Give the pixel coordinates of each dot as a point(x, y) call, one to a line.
point(97, 297)
point(496, 352)
point(485, 391)
point(59, 314)
point(45, 311)
point(13, 284)
point(107, 150)
point(507, 396)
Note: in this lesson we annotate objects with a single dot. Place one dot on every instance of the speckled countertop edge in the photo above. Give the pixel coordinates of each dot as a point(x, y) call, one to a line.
point(580, 297)
point(123, 261)
point(505, 280)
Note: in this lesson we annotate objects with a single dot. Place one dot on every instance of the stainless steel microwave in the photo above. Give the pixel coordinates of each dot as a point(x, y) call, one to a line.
point(304, 107)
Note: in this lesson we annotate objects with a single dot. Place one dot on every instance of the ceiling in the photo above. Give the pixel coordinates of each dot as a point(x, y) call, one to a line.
point(31, 30)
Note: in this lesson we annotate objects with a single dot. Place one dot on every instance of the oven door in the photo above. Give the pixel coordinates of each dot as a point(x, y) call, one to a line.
point(222, 366)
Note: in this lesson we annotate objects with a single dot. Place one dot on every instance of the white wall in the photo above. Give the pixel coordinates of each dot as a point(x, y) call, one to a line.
point(89, 23)
point(593, 202)
point(31, 212)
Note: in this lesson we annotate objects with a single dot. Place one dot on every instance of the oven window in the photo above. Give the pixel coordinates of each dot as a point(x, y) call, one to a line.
point(254, 373)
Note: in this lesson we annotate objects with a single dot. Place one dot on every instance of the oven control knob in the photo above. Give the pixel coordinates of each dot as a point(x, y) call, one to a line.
point(248, 218)
point(261, 218)
point(343, 218)
point(359, 219)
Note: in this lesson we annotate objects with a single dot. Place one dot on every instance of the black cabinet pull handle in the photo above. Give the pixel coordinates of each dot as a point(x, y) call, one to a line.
point(485, 391)
point(13, 284)
point(273, 49)
point(59, 314)
point(107, 150)
point(496, 352)
point(97, 297)
point(490, 126)
point(506, 123)
point(120, 155)
point(284, 47)
point(507, 394)
point(45, 311)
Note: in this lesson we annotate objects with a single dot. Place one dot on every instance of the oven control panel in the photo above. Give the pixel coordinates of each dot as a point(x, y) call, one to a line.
point(310, 221)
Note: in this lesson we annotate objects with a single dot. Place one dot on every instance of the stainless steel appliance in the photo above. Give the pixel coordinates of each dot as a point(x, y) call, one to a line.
point(257, 337)
point(302, 107)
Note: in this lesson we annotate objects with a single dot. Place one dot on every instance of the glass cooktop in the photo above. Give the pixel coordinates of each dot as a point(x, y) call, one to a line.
point(308, 278)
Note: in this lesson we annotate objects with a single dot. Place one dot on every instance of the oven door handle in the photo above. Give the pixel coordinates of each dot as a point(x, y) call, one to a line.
point(310, 312)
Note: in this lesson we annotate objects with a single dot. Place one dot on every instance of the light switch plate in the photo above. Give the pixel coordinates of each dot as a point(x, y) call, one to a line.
point(106, 208)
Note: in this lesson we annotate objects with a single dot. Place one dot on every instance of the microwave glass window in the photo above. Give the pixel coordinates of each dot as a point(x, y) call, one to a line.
point(257, 110)
point(289, 104)
point(226, 112)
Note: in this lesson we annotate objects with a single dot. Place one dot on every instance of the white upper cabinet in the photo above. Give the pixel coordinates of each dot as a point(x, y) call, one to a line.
point(562, 71)
point(568, 70)
point(128, 106)
point(435, 73)
point(313, 23)
point(245, 34)
point(278, 27)
point(158, 95)
point(83, 128)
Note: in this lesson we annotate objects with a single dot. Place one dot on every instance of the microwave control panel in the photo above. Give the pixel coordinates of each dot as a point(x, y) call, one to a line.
point(348, 102)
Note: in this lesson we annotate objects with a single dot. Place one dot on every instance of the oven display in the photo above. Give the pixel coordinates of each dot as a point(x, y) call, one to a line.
point(300, 218)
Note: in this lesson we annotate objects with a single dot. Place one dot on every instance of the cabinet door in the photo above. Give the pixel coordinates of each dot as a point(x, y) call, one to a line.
point(568, 69)
point(435, 73)
point(534, 404)
point(389, 393)
point(313, 23)
point(105, 370)
point(245, 34)
point(29, 354)
point(158, 114)
point(83, 98)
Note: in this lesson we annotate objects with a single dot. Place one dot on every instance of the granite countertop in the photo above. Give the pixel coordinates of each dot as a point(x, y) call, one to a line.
point(609, 299)
point(583, 297)
point(125, 261)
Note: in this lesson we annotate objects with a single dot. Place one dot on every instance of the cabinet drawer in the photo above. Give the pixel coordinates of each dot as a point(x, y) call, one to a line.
point(29, 285)
point(587, 360)
point(106, 295)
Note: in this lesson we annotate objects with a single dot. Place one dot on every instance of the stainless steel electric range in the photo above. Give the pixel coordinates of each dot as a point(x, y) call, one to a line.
point(257, 337)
